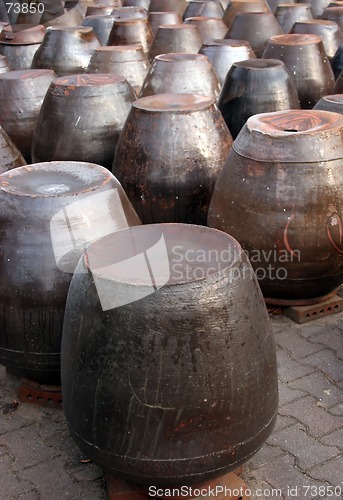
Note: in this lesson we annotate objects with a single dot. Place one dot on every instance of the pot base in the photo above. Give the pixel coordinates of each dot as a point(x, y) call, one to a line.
point(299, 302)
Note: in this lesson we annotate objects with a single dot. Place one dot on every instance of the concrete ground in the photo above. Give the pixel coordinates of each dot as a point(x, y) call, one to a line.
point(303, 458)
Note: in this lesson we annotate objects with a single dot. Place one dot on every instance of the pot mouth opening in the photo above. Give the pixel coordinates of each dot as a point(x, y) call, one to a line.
point(181, 57)
point(295, 39)
point(335, 98)
point(54, 179)
point(177, 27)
point(88, 80)
point(120, 48)
point(259, 63)
point(174, 103)
point(26, 74)
point(158, 255)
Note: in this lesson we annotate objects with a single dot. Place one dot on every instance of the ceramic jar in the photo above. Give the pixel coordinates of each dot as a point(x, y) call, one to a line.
point(203, 8)
point(102, 26)
point(329, 32)
point(279, 194)
point(288, 14)
point(209, 28)
point(169, 155)
point(333, 103)
point(236, 6)
point(156, 19)
point(175, 38)
point(19, 43)
point(81, 119)
point(49, 213)
point(151, 427)
point(131, 32)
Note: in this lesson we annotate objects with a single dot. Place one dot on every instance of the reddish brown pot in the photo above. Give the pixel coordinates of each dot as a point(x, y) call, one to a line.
point(49, 213)
point(209, 28)
point(243, 6)
point(181, 73)
point(175, 38)
point(130, 32)
point(309, 66)
point(129, 12)
point(223, 53)
point(81, 119)
point(288, 14)
point(169, 155)
point(156, 19)
point(203, 8)
point(333, 103)
point(4, 66)
point(10, 156)
point(334, 14)
point(19, 43)
point(66, 50)
point(280, 195)
point(178, 6)
point(21, 97)
point(329, 32)
point(255, 27)
point(129, 61)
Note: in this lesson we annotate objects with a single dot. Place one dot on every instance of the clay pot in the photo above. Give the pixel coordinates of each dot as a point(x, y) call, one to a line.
point(256, 28)
point(19, 43)
point(169, 155)
point(99, 10)
point(52, 10)
point(144, 4)
point(209, 28)
point(10, 156)
point(333, 103)
point(81, 119)
point(168, 433)
point(334, 14)
point(203, 8)
point(128, 61)
point(338, 88)
point(66, 50)
point(223, 53)
point(243, 6)
point(337, 61)
point(130, 13)
point(21, 97)
point(309, 66)
point(318, 7)
point(256, 86)
point(273, 4)
point(156, 19)
point(102, 26)
point(178, 6)
point(49, 212)
point(288, 14)
point(4, 66)
point(329, 32)
point(175, 38)
point(130, 32)
point(71, 18)
point(181, 73)
point(268, 198)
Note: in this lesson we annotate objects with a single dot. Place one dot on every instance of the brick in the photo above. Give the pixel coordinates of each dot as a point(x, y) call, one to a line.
point(282, 474)
point(298, 346)
point(11, 422)
point(328, 363)
point(320, 387)
point(318, 420)
point(337, 410)
point(334, 439)
point(318, 326)
point(287, 394)
point(32, 495)
point(264, 455)
point(26, 446)
point(307, 450)
point(283, 421)
point(333, 339)
point(289, 369)
point(331, 471)
point(62, 442)
point(82, 471)
point(11, 485)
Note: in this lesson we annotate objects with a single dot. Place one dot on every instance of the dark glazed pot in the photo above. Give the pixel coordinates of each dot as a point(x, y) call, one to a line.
point(49, 212)
point(256, 28)
point(129, 61)
point(21, 97)
point(329, 32)
point(203, 8)
point(334, 14)
point(66, 50)
point(223, 53)
point(19, 43)
point(307, 62)
point(237, 6)
point(144, 409)
point(181, 73)
point(175, 38)
point(10, 156)
point(337, 61)
point(333, 103)
point(169, 155)
point(279, 194)
point(81, 119)
point(4, 66)
point(273, 4)
point(317, 7)
point(288, 14)
point(156, 19)
point(71, 18)
point(209, 28)
point(102, 26)
point(99, 10)
point(131, 32)
point(130, 12)
point(256, 86)
point(178, 6)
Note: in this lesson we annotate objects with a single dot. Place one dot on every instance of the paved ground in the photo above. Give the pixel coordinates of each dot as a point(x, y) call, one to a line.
point(303, 458)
